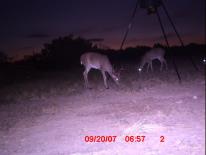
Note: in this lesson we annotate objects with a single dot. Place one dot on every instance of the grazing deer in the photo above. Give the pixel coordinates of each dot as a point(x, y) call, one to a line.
point(148, 57)
point(97, 61)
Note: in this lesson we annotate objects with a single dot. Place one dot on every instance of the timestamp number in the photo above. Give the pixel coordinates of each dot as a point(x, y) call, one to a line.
point(100, 138)
point(134, 138)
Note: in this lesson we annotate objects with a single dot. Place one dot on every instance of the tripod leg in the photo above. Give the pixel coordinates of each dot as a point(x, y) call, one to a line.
point(130, 24)
point(178, 36)
point(173, 59)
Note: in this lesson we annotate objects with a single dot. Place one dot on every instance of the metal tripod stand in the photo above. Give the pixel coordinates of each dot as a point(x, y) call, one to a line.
point(152, 8)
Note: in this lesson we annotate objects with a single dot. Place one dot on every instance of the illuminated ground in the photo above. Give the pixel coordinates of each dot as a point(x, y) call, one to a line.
point(53, 115)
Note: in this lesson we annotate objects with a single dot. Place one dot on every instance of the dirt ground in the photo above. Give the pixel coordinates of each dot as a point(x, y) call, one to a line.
point(53, 116)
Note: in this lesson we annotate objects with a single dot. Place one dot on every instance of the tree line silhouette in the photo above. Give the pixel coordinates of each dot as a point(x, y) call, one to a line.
point(64, 52)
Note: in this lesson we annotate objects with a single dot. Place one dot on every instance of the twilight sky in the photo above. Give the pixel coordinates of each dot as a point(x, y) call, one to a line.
point(27, 24)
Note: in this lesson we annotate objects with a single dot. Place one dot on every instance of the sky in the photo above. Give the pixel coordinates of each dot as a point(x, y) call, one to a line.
point(26, 25)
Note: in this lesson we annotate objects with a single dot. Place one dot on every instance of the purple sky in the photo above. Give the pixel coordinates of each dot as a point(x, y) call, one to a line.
point(27, 24)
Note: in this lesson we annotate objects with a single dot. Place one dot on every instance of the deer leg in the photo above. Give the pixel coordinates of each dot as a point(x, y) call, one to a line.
point(165, 62)
point(148, 65)
point(151, 66)
point(86, 77)
point(161, 66)
point(105, 79)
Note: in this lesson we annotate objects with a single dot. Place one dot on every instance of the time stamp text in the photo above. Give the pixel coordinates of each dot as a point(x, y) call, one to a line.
point(113, 139)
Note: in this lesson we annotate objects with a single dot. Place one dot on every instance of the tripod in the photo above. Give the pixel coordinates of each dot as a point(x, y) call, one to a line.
point(152, 8)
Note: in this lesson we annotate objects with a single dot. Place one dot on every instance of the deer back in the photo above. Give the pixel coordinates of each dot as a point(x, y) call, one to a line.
point(97, 61)
point(155, 53)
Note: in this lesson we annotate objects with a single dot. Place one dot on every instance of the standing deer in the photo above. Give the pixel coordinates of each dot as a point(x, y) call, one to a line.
point(97, 61)
point(148, 57)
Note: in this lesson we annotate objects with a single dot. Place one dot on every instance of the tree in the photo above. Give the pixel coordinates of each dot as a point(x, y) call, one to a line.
point(3, 57)
point(64, 51)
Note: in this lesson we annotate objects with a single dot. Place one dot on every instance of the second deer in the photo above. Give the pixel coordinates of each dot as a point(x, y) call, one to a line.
point(149, 56)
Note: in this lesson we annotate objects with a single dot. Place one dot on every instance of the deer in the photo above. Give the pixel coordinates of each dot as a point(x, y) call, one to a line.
point(100, 62)
point(149, 56)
